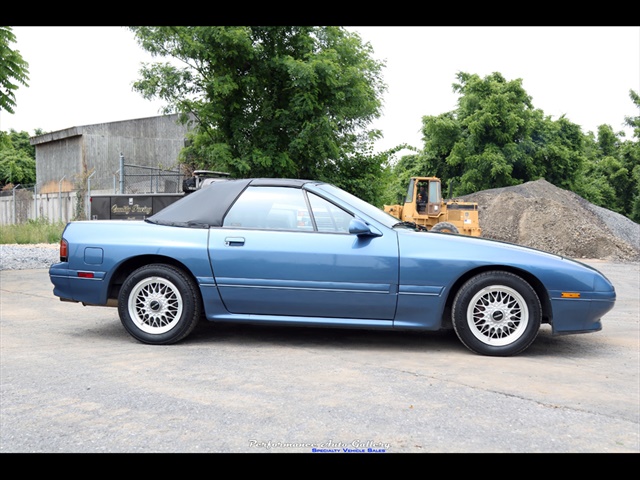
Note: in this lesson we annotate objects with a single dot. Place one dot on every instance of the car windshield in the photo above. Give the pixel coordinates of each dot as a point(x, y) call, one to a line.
point(366, 208)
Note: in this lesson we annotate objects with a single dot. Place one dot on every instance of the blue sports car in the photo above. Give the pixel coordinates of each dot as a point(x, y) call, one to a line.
point(306, 253)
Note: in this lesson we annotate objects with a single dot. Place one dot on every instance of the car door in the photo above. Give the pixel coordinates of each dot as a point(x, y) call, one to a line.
point(286, 252)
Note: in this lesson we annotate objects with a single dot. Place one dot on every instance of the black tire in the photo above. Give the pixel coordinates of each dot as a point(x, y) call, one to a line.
point(497, 314)
point(159, 304)
point(445, 227)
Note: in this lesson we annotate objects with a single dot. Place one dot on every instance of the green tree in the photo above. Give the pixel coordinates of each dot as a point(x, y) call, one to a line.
point(496, 138)
point(21, 141)
point(630, 152)
point(611, 176)
point(603, 172)
point(497, 119)
point(397, 176)
point(13, 70)
point(275, 101)
point(634, 214)
point(17, 159)
point(634, 122)
point(5, 141)
point(556, 152)
point(488, 141)
point(440, 134)
point(16, 167)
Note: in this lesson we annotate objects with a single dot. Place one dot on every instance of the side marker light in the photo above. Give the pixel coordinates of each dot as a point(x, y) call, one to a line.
point(570, 295)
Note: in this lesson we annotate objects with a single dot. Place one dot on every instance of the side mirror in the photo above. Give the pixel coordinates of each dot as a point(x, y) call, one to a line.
point(360, 228)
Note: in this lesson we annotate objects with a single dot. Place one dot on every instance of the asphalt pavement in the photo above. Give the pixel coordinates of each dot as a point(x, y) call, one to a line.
point(73, 381)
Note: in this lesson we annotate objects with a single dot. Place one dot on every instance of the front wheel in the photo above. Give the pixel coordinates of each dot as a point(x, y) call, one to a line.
point(159, 304)
point(497, 313)
point(445, 227)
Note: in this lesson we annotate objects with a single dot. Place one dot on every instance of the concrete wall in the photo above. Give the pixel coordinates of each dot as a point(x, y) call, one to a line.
point(65, 156)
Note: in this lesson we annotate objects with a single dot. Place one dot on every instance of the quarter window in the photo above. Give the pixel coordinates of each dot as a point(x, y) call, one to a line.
point(328, 217)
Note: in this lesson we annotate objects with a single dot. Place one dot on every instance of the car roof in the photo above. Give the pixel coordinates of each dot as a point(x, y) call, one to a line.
point(207, 207)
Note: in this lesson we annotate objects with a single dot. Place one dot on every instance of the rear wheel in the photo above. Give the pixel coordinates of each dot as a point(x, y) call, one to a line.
point(159, 304)
point(445, 227)
point(496, 313)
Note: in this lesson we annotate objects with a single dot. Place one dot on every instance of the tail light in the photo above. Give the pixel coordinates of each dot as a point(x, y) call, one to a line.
point(64, 250)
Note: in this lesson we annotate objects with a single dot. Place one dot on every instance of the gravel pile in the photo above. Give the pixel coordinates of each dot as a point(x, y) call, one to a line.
point(535, 214)
point(540, 215)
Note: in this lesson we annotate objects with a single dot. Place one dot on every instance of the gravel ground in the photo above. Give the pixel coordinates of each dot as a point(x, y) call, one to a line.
point(27, 257)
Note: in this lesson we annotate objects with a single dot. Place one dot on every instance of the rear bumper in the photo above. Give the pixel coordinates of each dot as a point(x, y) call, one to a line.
point(70, 286)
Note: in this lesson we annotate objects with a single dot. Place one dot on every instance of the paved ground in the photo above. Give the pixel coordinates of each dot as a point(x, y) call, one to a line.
point(72, 380)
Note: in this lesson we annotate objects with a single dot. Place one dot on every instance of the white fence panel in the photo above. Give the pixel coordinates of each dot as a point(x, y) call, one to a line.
point(24, 205)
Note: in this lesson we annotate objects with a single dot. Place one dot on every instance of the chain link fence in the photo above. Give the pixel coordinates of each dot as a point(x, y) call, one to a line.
point(21, 203)
point(141, 179)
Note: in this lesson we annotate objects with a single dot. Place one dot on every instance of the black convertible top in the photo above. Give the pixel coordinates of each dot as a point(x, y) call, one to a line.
point(207, 207)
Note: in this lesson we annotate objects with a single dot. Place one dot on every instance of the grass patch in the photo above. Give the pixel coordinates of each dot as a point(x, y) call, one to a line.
point(33, 231)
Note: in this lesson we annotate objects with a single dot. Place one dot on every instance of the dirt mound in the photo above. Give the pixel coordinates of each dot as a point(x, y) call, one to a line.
point(540, 215)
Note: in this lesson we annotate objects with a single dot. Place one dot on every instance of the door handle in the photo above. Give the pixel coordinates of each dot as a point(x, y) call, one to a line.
point(234, 241)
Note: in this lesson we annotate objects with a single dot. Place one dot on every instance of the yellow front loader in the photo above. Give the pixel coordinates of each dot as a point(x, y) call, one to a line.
point(424, 206)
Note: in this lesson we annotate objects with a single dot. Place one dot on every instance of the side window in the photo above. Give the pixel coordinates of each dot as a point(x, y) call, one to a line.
point(409, 197)
point(282, 208)
point(328, 217)
point(273, 208)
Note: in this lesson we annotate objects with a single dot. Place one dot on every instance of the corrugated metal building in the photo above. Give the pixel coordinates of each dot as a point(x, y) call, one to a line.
point(65, 157)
